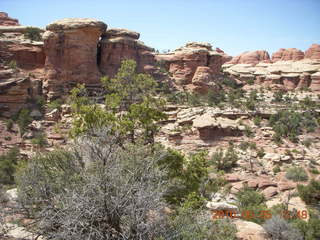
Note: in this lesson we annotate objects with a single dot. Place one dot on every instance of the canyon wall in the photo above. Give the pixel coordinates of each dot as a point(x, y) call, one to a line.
point(83, 50)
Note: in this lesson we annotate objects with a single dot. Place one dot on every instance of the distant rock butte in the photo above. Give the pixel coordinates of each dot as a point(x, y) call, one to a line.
point(184, 64)
point(287, 54)
point(313, 52)
point(251, 57)
point(5, 20)
point(290, 68)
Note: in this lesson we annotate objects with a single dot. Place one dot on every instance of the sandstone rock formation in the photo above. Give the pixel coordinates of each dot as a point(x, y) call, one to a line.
point(183, 64)
point(289, 70)
point(287, 54)
point(28, 55)
point(15, 91)
point(250, 231)
point(120, 44)
point(71, 54)
point(313, 52)
point(253, 57)
point(5, 20)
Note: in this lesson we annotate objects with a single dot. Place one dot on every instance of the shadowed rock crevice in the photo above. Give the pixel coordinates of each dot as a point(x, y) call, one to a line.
point(215, 133)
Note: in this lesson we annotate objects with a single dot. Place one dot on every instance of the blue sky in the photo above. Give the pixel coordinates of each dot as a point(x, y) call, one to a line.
point(234, 26)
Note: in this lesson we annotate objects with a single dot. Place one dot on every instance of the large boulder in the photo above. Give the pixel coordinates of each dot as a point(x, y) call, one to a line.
point(287, 54)
point(250, 231)
point(313, 52)
point(119, 44)
point(5, 20)
point(71, 54)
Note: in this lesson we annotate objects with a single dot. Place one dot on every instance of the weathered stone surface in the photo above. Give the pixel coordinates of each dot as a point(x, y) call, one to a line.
point(120, 44)
point(315, 82)
point(269, 192)
point(313, 52)
point(250, 231)
point(203, 80)
point(289, 74)
point(27, 55)
point(71, 54)
point(253, 57)
point(5, 20)
point(221, 206)
point(14, 94)
point(287, 54)
point(184, 61)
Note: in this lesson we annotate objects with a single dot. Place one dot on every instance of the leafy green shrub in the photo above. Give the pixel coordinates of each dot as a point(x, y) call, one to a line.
point(310, 230)
point(248, 131)
point(307, 103)
point(257, 121)
point(23, 120)
point(185, 175)
point(224, 160)
point(229, 82)
point(310, 193)
point(55, 104)
point(39, 139)
point(297, 174)
point(278, 96)
point(276, 169)
point(244, 146)
point(315, 171)
point(291, 124)
point(7, 138)
point(261, 153)
point(13, 64)
point(250, 81)
point(32, 33)
point(252, 201)
point(9, 124)
point(40, 102)
point(8, 164)
point(216, 97)
point(250, 104)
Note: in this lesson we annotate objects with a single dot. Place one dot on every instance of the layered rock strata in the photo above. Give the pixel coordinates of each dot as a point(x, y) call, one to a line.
point(5, 20)
point(291, 69)
point(71, 54)
point(117, 45)
point(195, 63)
